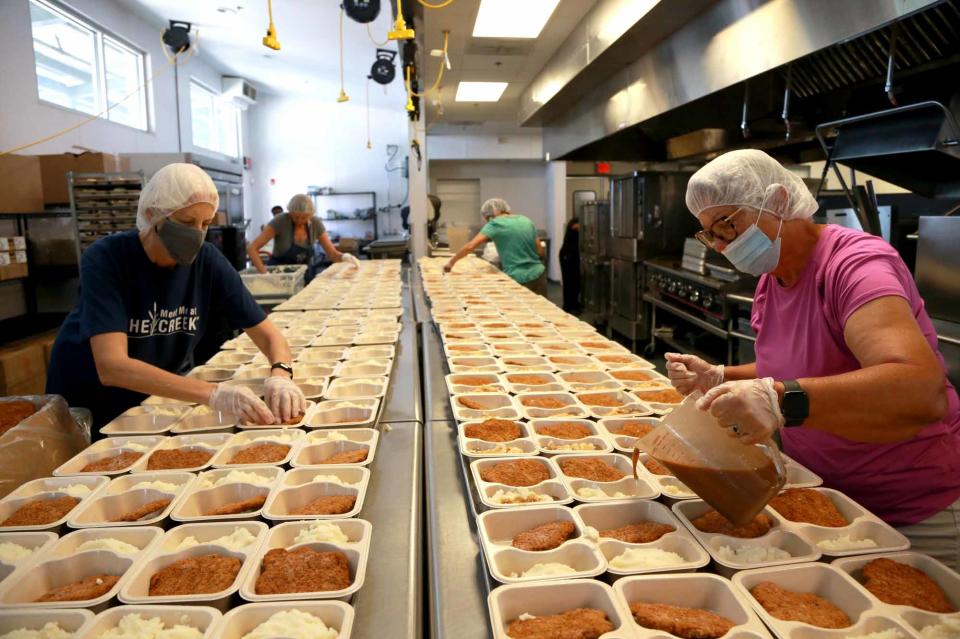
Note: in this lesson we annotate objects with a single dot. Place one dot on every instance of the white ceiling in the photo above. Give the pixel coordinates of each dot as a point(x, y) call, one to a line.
point(308, 62)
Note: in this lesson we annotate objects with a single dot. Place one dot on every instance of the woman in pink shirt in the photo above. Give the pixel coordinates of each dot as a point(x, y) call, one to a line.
point(847, 364)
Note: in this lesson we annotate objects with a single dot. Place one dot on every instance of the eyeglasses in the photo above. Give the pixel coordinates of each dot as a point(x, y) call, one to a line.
point(721, 230)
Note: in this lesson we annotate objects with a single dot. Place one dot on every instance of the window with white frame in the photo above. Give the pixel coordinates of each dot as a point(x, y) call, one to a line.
point(80, 67)
point(215, 121)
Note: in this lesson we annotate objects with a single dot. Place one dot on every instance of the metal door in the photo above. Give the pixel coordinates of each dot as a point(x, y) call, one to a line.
point(460, 203)
point(624, 289)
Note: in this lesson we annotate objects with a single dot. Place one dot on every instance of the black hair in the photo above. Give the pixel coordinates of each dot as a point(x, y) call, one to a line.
point(277, 209)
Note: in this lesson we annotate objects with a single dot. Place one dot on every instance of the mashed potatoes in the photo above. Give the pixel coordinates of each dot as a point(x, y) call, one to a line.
point(321, 531)
point(498, 449)
point(76, 490)
point(162, 486)
point(589, 492)
point(133, 626)
point(845, 542)
point(892, 633)
point(50, 630)
point(292, 624)
point(140, 448)
point(239, 539)
point(677, 491)
point(333, 436)
point(571, 447)
point(643, 558)
point(234, 477)
point(544, 570)
point(109, 543)
point(285, 438)
point(949, 628)
point(331, 479)
point(11, 553)
point(521, 495)
point(752, 554)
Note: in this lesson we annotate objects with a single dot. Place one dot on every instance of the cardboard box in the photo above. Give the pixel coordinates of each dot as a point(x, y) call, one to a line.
point(19, 257)
point(18, 243)
point(32, 386)
point(54, 169)
point(21, 186)
point(20, 366)
point(12, 271)
point(5, 258)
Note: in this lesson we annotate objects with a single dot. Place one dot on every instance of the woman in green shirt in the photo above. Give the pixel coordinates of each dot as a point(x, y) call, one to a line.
point(521, 252)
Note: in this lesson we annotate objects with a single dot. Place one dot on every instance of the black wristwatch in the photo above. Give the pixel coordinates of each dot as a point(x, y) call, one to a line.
point(284, 367)
point(796, 404)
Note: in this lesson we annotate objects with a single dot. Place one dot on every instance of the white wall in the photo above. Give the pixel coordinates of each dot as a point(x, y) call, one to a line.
point(301, 141)
point(520, 144)
point(25, 118)
point(521, 183)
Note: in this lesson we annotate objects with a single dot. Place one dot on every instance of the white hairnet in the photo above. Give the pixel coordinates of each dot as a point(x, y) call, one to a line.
point(172, 188)
point(301, 203)
point(747, 178)
point(493, 206)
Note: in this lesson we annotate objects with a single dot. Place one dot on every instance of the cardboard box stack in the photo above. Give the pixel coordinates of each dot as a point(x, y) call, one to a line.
point(13, 257)
point(54, 169)
point(23, 365)
point(21, 187)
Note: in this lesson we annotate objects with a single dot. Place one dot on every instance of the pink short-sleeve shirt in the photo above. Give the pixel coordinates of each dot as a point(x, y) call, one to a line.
point(800, 334)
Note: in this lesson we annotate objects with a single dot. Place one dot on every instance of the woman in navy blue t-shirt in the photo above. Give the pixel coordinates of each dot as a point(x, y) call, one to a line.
point(146, 297)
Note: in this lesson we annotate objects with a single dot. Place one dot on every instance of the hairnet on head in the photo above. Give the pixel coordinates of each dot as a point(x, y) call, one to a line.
point(172, 188)
point(749, 178)
point(493, 206)
point(301, 203)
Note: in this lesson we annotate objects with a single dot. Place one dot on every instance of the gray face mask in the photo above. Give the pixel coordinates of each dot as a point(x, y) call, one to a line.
point(181, 241)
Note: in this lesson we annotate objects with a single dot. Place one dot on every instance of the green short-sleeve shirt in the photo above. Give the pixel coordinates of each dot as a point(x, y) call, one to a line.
point(516, 237)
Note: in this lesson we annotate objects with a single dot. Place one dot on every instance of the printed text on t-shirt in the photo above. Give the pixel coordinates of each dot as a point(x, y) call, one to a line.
point(164, 321)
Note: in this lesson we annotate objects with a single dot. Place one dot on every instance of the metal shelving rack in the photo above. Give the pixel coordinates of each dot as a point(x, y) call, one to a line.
point(373, 216)
point(103, 203)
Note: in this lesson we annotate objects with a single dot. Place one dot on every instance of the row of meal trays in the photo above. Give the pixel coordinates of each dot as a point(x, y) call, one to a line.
point(239, 622)
point(338, 361)
point(563, 381)
point(839, 582)
point(154, 497)
point(145, 550)
point(159, 415)
point(544, 405)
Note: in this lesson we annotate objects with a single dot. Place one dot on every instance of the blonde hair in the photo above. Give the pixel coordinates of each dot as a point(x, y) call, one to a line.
point(301, 203)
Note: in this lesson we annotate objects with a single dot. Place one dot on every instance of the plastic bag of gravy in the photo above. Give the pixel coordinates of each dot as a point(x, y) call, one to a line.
point(735, 479)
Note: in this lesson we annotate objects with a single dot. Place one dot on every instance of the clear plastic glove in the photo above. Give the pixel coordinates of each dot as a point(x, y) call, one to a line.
point(285, 398)
point(749, 408)
point(688, 373)
point(241, 401)
point(350, 260)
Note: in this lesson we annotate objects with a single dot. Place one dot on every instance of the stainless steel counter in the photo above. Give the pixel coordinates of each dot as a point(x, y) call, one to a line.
point(457, 579)
point(390, 602)
point(402, 401)
point(436, 401)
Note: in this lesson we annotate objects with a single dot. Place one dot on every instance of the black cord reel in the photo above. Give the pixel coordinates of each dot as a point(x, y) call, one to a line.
point(363, 11)
point(383, 71)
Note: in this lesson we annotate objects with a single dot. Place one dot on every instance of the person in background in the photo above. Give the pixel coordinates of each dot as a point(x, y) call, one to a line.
point(276, 210)
point(570, 267)
point(146, 298)
point(521, 251)
point(293, 234)
point(847, 367)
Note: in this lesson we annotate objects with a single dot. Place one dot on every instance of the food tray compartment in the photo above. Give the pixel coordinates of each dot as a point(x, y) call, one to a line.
point(506, 563)
point(798, 475)
point(552, 490)
point(364, 353)
point(509, 349)
point(38, 542)
point(312, 387)
point(357, 551)
point(143, 537)
point(560, 347)
point(470, 349)
point(326, 355)
point(571, 407)
point(499, 405)
point(242, 620)
point(109, 447)
point(212, 373)
point(378, 338)
point(479, 448)
point(820, 579)
point(517, 382)
point(490, 384)
point(364, 368)
point(613, 428)
point(779, 536)
point(508, 602)
point(206, 442)
point(340, 413)
point(316, 445)
point(303, 485)
point(297, 424)
point(550, 445)
point(612, 361)
point(292, 437)
point(146, 420)
point(71, 621)
point(634, 378)
point(671, 488)
point(525, 364)
point(584, 381)
point(644, 395)
point(309, 371)
point(463, 364)
point(630, 406)
point(231, 358)
point(357, 388)
point(205, 419)
point(121, 496)
point(47, 488)
point(607, 516)
point(202, 618)
point(253, 372)
point(200, 498)
point(701, 591)
point(586, 490)
point(574, 363)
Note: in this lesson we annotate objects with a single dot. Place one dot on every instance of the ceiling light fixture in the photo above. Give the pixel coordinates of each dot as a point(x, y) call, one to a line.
point(480, 91)
point(512, 19)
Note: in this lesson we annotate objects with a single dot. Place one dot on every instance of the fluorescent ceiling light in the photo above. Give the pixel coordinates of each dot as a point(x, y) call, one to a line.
point(512, 18)
point(480, 91)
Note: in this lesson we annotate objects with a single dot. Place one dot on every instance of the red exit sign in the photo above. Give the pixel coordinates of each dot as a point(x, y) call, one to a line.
point(603, 168)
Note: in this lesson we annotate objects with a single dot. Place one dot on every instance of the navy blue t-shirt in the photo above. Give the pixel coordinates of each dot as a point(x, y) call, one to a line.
point(163, 311)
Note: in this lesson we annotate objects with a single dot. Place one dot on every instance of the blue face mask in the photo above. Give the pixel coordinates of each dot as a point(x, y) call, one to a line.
point(753, 252)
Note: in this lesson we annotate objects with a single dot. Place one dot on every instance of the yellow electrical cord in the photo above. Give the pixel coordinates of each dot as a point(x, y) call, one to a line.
point(436, 6)
point(436, 83)
point(173, 61)
point(343, 97)
point(400, 30)
point(370, 35)
point(270, 40)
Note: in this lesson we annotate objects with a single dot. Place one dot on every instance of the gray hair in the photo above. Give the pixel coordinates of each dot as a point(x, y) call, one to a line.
point(494, 206)
point(301, 203)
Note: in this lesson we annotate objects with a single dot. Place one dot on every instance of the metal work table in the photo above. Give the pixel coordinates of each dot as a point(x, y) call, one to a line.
point(436, 399)
point(402, 401)
point(390, 604)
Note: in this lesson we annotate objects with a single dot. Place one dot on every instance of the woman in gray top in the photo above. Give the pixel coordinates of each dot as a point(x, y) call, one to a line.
point(293, 234)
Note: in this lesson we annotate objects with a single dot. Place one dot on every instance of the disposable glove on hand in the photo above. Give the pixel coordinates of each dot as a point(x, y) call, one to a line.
point(448, 267)
point(285, 398)
point(749, 407)
point(350, 260)
point(241, 401)
point(688, 373)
